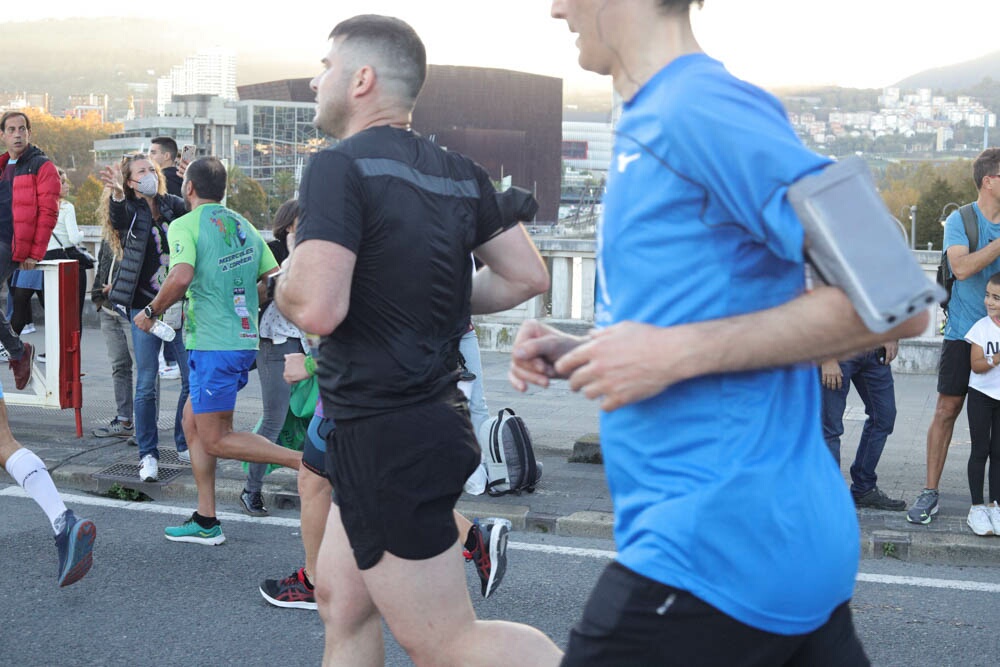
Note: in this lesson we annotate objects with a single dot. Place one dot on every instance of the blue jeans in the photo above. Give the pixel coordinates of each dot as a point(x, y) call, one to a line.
point(873, 382)
point(147, 374)
point(469, 347)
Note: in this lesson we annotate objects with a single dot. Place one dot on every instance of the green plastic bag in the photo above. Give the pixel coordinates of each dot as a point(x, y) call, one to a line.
point(301, 406)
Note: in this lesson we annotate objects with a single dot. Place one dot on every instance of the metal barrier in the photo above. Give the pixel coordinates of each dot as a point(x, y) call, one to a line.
point(58, 386)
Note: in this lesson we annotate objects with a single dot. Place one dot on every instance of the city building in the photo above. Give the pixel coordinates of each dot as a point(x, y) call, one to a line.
point(274, 129)
point(209, 72)
point(206, 121)
point(509, 122)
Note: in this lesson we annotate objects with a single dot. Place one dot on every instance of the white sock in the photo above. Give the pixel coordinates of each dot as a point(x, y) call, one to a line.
point(31, 475)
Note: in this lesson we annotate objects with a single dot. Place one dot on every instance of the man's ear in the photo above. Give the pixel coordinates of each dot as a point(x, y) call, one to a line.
point(364, 81)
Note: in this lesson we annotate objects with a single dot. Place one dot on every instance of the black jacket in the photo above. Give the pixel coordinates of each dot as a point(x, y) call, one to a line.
point(133, 219)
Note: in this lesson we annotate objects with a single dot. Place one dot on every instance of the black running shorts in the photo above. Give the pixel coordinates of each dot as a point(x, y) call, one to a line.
point(397, 477)
point(954, 368)
point(632, 620)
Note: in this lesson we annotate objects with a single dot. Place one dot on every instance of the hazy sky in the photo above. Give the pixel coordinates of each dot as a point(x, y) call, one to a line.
point(857, 43)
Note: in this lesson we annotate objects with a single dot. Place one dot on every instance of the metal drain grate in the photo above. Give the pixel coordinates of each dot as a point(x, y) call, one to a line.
point(169, 457)
point(127, 475)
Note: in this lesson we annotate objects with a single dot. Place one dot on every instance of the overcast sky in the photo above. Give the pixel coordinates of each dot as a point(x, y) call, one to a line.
point(856, 43)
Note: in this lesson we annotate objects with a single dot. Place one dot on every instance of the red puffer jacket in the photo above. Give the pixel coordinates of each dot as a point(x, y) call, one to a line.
point(35, 205)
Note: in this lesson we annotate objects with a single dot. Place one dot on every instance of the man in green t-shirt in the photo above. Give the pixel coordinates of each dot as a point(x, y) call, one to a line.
point(217, 259)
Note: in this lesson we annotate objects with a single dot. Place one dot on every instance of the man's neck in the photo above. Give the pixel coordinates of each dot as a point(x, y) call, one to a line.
point(397, 118)
point(989, 207)
point(647, 46)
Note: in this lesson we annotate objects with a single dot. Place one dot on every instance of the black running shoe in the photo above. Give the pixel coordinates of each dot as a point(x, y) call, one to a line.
point(253, 503)
point(292, 592)
point(488, 552)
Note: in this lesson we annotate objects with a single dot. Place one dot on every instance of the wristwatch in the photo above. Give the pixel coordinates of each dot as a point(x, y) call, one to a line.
point(148, 311)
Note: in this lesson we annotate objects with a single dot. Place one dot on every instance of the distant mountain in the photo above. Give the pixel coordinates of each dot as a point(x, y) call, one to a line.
point(958, 77)
point(104, 55)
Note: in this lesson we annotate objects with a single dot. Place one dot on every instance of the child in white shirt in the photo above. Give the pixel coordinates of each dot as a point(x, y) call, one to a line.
point(984, 414)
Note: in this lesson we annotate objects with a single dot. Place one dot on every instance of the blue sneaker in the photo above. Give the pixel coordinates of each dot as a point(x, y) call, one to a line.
point(75, 543)
point(191, 531)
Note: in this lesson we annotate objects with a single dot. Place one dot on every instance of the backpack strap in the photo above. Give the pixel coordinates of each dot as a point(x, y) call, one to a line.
point(971, 222)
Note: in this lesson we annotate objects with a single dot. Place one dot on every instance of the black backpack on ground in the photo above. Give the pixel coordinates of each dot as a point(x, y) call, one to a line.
point(945, 278)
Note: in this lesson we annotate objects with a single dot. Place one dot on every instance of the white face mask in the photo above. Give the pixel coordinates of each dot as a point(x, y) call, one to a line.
point(148, 184)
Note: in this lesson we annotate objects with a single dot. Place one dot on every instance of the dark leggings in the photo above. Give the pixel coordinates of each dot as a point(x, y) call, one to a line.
point(21, 312)
point(984, 427)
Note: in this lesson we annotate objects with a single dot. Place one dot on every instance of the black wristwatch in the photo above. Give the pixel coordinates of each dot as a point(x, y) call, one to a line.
point(148, 312)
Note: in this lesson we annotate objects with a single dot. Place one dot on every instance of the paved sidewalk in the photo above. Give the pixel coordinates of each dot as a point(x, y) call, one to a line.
point(571, 500)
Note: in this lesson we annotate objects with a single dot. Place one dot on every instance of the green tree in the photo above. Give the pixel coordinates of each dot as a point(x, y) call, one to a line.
point(69, 142)
point(282, 189)
point(88, 200)
point(246, 197)
point(929, 208)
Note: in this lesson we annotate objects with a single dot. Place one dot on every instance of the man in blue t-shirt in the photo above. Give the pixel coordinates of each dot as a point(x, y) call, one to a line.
point(731, 519)
point(965, 308)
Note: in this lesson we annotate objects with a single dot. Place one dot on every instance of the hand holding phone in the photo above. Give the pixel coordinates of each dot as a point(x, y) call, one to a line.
point(189, 153)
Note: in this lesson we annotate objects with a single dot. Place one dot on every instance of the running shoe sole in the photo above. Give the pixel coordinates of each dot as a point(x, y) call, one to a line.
point(299, 604)
point(213, 541)
point(81, 549)
point(922, 521)
point(498, 556)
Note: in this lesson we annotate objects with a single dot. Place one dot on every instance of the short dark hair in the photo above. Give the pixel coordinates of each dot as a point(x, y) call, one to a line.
point(284, 217)
point(11, 114)
point(394, 44)
point(994, 279)
point(168, 145)
point(987, 164)
point(208, 177)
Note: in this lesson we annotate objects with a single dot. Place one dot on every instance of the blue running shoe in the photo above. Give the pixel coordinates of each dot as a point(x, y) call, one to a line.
point(191, 531)
point(75, 543)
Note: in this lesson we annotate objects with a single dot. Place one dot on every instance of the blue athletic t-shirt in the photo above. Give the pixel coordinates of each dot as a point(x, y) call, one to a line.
point(966, 306)
point(722, 485)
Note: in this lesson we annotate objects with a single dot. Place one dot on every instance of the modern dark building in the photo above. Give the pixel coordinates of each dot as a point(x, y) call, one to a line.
point(509, 122)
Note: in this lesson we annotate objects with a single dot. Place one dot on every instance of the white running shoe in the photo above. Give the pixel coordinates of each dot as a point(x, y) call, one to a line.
point(979, 520)
point(171, 372)
point(148, 468)
point(994, 511)
point(185, 456)
point(29, 328)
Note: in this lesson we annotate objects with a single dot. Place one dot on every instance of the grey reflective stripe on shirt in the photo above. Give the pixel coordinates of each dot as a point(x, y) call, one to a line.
point(438, 185)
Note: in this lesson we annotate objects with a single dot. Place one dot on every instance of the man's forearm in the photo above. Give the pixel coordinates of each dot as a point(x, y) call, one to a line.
point(972, 263)
point(816, 326)
point(492, 293)
point(172, 291)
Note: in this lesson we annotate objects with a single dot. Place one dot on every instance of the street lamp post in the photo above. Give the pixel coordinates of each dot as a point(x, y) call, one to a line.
point(944, 216)
point(913, 227)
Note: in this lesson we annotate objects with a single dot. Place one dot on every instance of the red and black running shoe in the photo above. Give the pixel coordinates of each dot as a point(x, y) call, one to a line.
point(292, 592)
point(488, 552)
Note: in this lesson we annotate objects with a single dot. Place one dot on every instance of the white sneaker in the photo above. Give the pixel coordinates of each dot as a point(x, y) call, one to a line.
point(170, 372)
point(994, 512)
point(149, 469)
point(185, 456)
point(29, 328)
point(979, 520)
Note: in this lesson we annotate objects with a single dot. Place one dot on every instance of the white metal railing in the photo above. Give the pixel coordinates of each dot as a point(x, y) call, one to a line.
point(571, 295)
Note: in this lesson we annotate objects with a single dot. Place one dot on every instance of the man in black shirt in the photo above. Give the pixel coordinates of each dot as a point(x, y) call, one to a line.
point(381, 269)
point(163, 151)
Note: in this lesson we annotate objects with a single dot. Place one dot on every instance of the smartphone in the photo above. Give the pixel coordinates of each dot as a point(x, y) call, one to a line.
point(189, 153)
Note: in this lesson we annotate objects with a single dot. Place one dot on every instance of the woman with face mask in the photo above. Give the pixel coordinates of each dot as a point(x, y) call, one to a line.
point(140, 209)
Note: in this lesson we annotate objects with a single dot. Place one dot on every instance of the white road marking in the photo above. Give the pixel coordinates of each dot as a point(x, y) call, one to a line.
point(955, 584)
point(152, 508)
